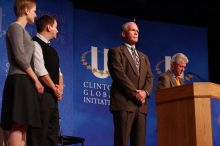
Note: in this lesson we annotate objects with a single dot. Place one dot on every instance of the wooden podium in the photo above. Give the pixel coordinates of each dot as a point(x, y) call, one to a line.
point(184, 114)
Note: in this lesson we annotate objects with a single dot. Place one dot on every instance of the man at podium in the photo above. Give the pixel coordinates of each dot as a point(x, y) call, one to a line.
point(172, 77)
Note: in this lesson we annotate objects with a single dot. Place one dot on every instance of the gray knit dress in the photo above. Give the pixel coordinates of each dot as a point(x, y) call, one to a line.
point(20, 101)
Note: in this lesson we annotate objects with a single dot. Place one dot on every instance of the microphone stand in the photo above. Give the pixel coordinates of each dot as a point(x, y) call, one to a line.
point(196, 75)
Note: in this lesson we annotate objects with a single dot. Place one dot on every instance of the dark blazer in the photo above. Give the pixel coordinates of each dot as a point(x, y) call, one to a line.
point(126, 80)
point(167, 80)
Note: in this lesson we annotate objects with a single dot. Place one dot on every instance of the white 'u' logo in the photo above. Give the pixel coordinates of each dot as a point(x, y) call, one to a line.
point(94, 63)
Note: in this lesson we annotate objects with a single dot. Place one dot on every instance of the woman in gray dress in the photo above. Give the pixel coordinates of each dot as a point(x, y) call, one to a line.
point(20, 101)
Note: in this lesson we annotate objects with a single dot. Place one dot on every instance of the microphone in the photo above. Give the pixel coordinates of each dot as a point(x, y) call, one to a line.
point(198, 76)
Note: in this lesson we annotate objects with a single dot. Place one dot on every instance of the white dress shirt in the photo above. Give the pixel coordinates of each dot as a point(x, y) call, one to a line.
point(129, 48)
point(38, 58)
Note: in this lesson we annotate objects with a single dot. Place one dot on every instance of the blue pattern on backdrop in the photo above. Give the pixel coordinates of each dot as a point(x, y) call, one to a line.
point(215, 103)
point(83, 40)
point(5, 17)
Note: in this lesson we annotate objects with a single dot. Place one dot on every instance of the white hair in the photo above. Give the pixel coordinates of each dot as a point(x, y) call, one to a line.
point(124, 26)
point(179, 57)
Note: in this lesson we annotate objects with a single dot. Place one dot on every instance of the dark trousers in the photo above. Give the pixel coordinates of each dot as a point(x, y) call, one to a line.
point(48, 134)
point(129, 125)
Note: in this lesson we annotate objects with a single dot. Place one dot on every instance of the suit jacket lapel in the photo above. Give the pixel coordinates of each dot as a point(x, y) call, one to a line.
point(181, 81)
point(172, 79)
point(130, 59)
point(142, 65)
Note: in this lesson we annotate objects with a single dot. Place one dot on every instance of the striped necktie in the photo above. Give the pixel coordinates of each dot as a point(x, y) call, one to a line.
point(135, 57)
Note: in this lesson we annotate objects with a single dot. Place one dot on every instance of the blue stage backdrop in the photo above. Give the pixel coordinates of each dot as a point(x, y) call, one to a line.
point(83, 42)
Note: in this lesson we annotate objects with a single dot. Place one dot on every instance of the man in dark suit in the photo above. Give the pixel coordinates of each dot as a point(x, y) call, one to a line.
point(172, 77)
point(132, 82)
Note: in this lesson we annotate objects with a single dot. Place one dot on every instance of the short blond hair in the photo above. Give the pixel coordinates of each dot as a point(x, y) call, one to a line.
point(21, 5)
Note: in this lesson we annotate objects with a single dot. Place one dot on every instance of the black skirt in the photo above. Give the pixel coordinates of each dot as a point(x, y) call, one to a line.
point(20, 102)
